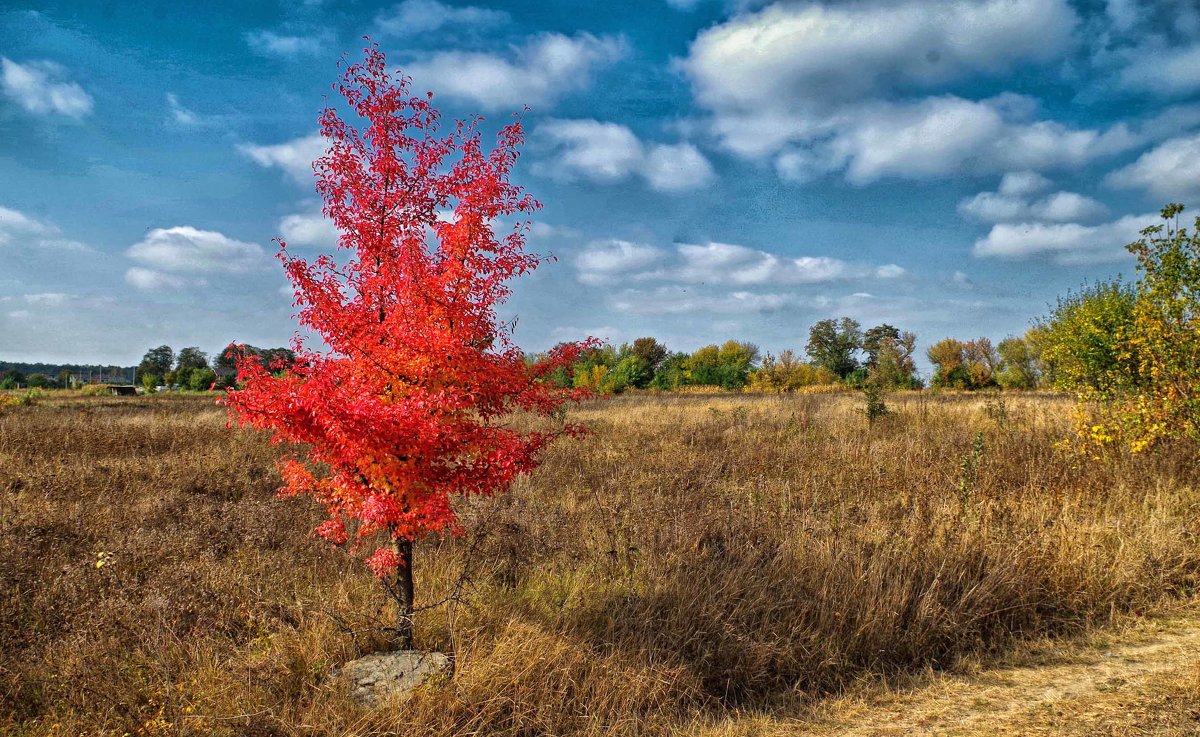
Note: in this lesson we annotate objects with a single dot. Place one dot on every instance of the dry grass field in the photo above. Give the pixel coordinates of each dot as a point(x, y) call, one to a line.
point(699, 565)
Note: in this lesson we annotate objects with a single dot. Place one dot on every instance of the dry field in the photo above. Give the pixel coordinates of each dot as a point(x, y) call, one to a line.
point(700, 565)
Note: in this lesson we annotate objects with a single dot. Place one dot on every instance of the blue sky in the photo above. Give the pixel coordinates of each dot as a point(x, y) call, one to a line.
point(710, 169)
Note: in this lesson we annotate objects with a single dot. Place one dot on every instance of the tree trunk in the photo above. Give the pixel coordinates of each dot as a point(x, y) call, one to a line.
point(403, 592)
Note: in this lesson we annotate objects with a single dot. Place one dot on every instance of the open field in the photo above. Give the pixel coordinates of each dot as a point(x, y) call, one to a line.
point(700, 565)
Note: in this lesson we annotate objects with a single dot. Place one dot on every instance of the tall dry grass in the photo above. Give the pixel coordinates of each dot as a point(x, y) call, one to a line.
point(694, 556)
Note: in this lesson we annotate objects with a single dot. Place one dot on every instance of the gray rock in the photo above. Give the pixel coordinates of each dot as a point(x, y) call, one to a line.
point(382, 675)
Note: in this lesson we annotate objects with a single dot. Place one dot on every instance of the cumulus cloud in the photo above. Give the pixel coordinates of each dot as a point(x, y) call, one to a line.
point(950, 135)
point(294, 157)
point(423, 16)
point(1013, 202)
point(38, 87)
point(1169, 71)
point(817, 57)
point(1168, 170)
point(309, 228)
point(270, 43)
point(725, 263)
point(722, 264)
point(175, 257)
point(19, 229)
point(536, 73)
point(1017, 183)
point(1064, 243)
point(609, 153)
point(853, 89)
point(603, 262)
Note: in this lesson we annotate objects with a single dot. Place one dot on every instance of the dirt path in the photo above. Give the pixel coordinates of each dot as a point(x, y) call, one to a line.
point(1144, 680)
point(1141, 683)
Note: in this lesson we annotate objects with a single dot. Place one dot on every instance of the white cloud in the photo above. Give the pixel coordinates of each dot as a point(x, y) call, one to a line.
point(1065, 243)
point(1170, 170)
point(294, 157)
point(724, 263)
point(542, 230)
point(931, 138)
point(310, 228)
point(423, 16)
point(676, 168)
point(269, 43)
point(1067, 207)
point(47, 299)
point(150, 280)
point(612, 262)
point(187, 250)
point(537, 73)
point(604, 262)
point(179, 113)
point(17, 228)
point(37, 87)
point(1012, 203)
point(1162, 71)
point(14, 223)
point(590, 149)
point(816, 56)
point(1015, 183)
point(609, 153)
point(950, 135)
point(845, 88)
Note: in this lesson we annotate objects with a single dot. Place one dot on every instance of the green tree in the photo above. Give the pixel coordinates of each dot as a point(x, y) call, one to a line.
point(874, 339)
point(834, 344)
point(1161, 349)
point(672, 372)
point(980, 361)
point(629, 372)
point(151, 381)
point(1080, 341)
point(787, 373)
point(592, 367)
point(157, 361)
point(39, 381)
point(946, 355)
point(650, 352)
point(190, 358)
point(201, 379)
point(1018, 364)
point(891, 364)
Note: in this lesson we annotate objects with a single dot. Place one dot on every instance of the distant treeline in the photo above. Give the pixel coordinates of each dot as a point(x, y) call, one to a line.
point(54, 369)
point(1065, 350)
point(191, 368)
point(838, 352)
point(1074, 346)
point(14, 374)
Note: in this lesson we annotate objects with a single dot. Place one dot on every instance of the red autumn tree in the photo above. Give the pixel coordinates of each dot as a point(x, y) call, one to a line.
point(403, 406)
